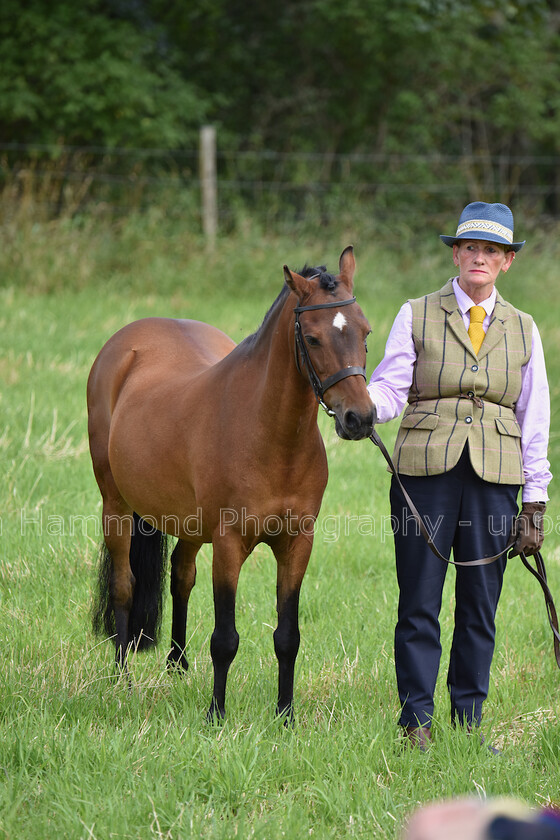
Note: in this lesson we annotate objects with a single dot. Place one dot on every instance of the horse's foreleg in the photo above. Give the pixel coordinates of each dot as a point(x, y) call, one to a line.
point(227, 561)
point(292, 565)
point(183, 578)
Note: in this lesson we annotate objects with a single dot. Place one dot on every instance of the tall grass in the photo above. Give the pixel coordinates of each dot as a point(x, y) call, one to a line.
point(84, 756)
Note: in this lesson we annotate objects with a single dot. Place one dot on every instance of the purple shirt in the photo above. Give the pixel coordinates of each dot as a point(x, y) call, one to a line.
point(391, 381)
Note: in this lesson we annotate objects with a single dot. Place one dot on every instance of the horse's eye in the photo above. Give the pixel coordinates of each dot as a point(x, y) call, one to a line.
point(312, 341)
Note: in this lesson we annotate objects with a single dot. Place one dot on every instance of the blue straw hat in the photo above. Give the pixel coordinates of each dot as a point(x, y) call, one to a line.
point(493, 222)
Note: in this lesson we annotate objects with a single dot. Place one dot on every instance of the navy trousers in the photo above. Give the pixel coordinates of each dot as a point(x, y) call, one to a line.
point(471, 518)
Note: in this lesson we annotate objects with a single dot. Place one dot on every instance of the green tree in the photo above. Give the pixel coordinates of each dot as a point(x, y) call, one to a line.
point(407, 76)
point(476, 80)
point(81, 73)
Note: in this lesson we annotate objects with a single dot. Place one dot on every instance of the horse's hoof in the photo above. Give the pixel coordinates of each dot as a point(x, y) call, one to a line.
point(286, 716)
point(215, 715)
point(121, 676)
point(177, 664)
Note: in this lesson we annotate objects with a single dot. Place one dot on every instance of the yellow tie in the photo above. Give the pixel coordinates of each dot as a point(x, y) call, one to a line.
point(476, 330)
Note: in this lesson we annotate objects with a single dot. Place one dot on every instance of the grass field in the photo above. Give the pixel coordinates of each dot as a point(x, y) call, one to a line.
point(81, 756)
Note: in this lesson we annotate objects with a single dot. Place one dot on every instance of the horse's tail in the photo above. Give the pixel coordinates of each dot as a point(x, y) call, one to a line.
point(148, 562)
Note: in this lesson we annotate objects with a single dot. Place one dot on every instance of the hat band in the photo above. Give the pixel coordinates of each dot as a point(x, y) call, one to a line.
point(481, 226)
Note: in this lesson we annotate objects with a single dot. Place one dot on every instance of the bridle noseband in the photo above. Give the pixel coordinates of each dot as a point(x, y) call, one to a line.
point(301, 351)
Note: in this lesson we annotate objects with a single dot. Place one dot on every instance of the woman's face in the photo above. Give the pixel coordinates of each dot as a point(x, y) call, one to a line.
point(480, 263)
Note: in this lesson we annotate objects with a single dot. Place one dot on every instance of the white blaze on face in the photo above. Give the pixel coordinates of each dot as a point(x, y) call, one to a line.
point(339, 321)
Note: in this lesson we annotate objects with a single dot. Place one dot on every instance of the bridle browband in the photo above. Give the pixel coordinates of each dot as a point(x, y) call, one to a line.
point(301, 351)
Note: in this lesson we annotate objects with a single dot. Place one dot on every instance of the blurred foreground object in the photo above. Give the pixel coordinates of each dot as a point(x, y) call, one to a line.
point(475, 819)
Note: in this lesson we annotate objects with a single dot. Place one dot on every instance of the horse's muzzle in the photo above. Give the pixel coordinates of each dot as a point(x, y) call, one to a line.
point(353, 425)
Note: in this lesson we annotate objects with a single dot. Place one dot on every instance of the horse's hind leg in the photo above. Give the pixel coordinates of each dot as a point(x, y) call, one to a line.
point(116, 581)
point(183, 578)
point(117, 528)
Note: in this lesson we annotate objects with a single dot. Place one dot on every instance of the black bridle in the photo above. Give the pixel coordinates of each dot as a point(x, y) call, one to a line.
point(301, 351)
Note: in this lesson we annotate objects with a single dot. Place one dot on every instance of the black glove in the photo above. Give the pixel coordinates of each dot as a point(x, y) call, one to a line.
point(528, 529)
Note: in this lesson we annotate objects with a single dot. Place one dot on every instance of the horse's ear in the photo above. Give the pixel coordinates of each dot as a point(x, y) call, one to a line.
point(347, 267)
point(297, 283)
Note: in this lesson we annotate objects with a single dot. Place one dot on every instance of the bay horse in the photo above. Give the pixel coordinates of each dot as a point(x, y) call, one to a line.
point(198, 438)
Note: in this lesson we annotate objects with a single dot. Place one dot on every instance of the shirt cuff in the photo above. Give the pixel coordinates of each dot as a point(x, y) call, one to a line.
point(534, 494)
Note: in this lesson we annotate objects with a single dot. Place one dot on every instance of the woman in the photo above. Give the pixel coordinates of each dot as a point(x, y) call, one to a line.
point(475, 429)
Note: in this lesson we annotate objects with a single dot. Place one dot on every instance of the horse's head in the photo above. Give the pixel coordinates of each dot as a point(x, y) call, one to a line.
point(330, 338)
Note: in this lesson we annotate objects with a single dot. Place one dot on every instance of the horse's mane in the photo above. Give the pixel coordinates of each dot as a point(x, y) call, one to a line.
point(326, 281)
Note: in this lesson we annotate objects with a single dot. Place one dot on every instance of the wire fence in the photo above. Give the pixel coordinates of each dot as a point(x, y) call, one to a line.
point(280, 189)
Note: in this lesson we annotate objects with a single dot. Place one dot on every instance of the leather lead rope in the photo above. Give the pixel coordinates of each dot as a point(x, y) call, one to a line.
point(539, 571)
point(483, 561)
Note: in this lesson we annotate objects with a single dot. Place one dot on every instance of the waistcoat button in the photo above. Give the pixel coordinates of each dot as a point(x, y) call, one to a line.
point(468, 419)
point(474, 368)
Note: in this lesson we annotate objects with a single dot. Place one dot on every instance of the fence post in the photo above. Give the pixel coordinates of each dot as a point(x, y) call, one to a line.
point(208, 183)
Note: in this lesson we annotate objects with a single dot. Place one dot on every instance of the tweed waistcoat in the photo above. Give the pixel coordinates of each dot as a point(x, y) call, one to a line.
point(458, 396)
